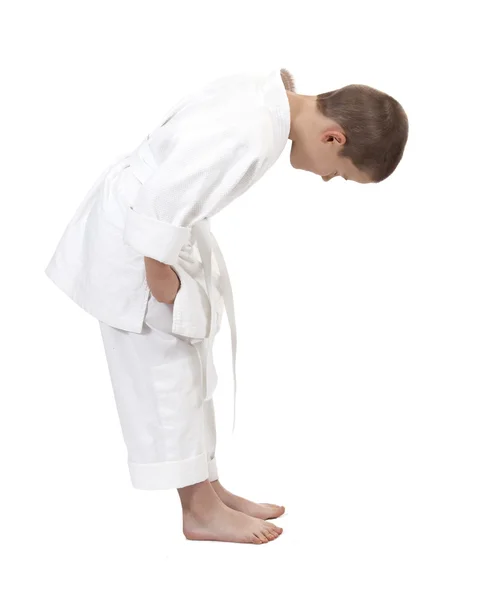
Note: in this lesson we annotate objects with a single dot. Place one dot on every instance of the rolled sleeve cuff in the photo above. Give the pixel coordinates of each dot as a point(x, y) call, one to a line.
point(156, 239)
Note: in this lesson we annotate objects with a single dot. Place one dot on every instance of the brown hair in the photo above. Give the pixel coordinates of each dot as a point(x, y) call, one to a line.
point(375, 126)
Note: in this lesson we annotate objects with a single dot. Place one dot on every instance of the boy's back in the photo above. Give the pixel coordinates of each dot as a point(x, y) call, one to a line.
point(99, 262)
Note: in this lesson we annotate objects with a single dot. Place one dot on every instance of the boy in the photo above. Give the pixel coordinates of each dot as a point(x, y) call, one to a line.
point(137, 255)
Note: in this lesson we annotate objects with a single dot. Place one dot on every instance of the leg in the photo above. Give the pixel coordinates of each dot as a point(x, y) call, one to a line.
point(210, 421)
point(155, 377)
point(210, 439)
point(254, 509)
point(205, 516)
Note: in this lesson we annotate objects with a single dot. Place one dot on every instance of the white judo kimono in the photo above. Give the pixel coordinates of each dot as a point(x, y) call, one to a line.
point(157, 201)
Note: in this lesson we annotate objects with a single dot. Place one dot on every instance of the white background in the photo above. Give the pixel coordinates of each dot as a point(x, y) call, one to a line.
point(358, 312)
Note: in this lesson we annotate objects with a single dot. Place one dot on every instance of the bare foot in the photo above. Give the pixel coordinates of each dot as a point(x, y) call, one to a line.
point(206, 517)
point(254, 509)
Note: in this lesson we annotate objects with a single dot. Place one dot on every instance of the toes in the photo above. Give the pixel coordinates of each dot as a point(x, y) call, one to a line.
point(279, 510)
point(261, 536)
point(271, 535)
point(255, 539)
point(274, 530)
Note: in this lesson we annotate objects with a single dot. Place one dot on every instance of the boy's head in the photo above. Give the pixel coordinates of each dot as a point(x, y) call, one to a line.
point(355, 132)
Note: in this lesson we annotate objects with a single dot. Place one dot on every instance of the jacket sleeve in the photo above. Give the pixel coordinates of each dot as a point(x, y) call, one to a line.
point(204, 160)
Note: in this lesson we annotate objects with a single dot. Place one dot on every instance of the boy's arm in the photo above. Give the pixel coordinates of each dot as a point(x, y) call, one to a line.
point(205, 157)
point(162, 280)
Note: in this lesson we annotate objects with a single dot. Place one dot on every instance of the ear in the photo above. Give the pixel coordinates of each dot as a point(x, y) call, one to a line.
point(333, 135)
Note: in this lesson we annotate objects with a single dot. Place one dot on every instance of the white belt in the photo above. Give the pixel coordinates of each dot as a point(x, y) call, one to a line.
point(207, 243)
point(142, 163)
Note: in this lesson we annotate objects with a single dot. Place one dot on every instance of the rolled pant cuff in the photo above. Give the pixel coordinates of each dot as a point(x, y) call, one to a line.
point(169, 474)
point(212, 470)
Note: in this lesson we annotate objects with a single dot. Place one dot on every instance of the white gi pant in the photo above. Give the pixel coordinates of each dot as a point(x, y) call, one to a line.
point(167, 424)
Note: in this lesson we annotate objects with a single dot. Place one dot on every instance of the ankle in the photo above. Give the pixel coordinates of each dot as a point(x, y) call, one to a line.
point(199, 498)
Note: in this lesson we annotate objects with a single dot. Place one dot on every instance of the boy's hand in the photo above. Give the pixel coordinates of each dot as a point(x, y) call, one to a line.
point(162, 280)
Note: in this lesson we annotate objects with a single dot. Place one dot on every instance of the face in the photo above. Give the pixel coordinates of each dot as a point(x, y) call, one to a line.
point(319, 152)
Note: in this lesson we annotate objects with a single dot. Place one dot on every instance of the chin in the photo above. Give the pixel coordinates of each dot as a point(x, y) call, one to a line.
point(293, 157)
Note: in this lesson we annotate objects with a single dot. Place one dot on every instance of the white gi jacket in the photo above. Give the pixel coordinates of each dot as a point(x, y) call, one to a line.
point(157, 201)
